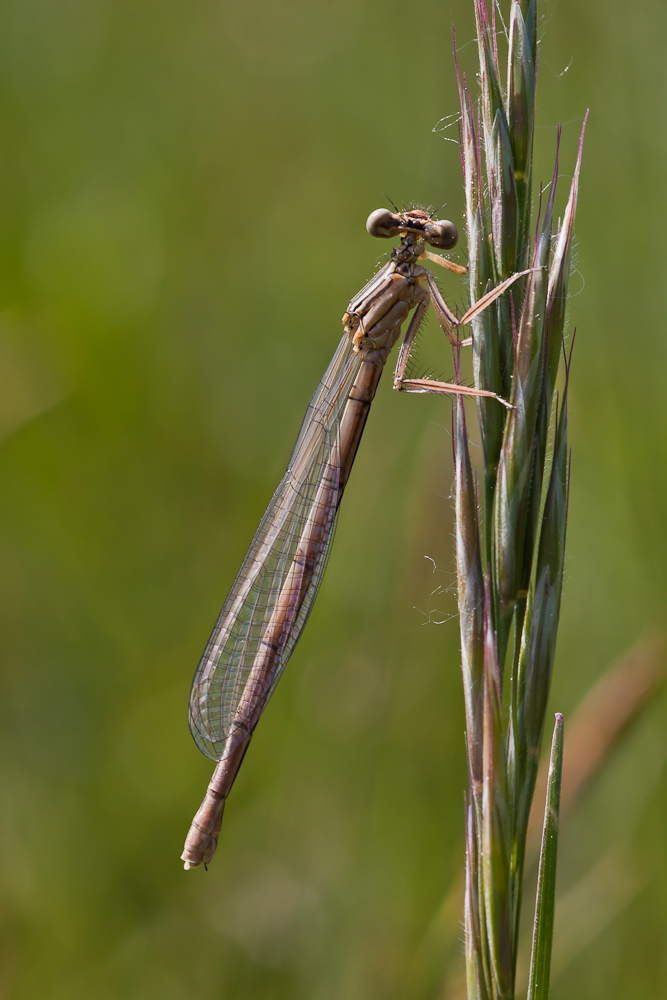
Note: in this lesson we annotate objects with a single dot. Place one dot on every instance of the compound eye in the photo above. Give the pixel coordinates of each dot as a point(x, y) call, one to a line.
point(442, 234)
point(383, 223)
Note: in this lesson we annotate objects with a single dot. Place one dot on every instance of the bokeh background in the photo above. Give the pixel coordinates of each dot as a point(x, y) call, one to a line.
point(183, 191)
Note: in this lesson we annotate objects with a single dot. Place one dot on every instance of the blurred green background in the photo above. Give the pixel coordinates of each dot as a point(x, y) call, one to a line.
point(183, 191)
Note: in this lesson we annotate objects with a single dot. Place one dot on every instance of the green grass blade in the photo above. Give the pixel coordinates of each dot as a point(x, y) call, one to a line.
point(470, 600)
point(540, 963)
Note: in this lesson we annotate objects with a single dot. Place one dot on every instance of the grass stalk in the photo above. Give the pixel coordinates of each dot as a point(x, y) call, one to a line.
point(510, 542)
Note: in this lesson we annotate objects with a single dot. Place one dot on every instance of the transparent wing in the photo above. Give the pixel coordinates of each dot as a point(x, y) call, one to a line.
point(271, 597)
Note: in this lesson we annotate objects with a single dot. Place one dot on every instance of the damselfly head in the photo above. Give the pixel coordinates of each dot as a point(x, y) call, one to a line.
point(385, 225)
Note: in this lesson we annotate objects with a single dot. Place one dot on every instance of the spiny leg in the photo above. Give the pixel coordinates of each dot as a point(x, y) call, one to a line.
point(443, 262)
point(446, 317)
point(447, 389)
point(408, 342)
point(491, 296)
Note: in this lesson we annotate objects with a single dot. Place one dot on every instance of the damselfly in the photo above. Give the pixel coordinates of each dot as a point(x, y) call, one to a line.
point(273, 593)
